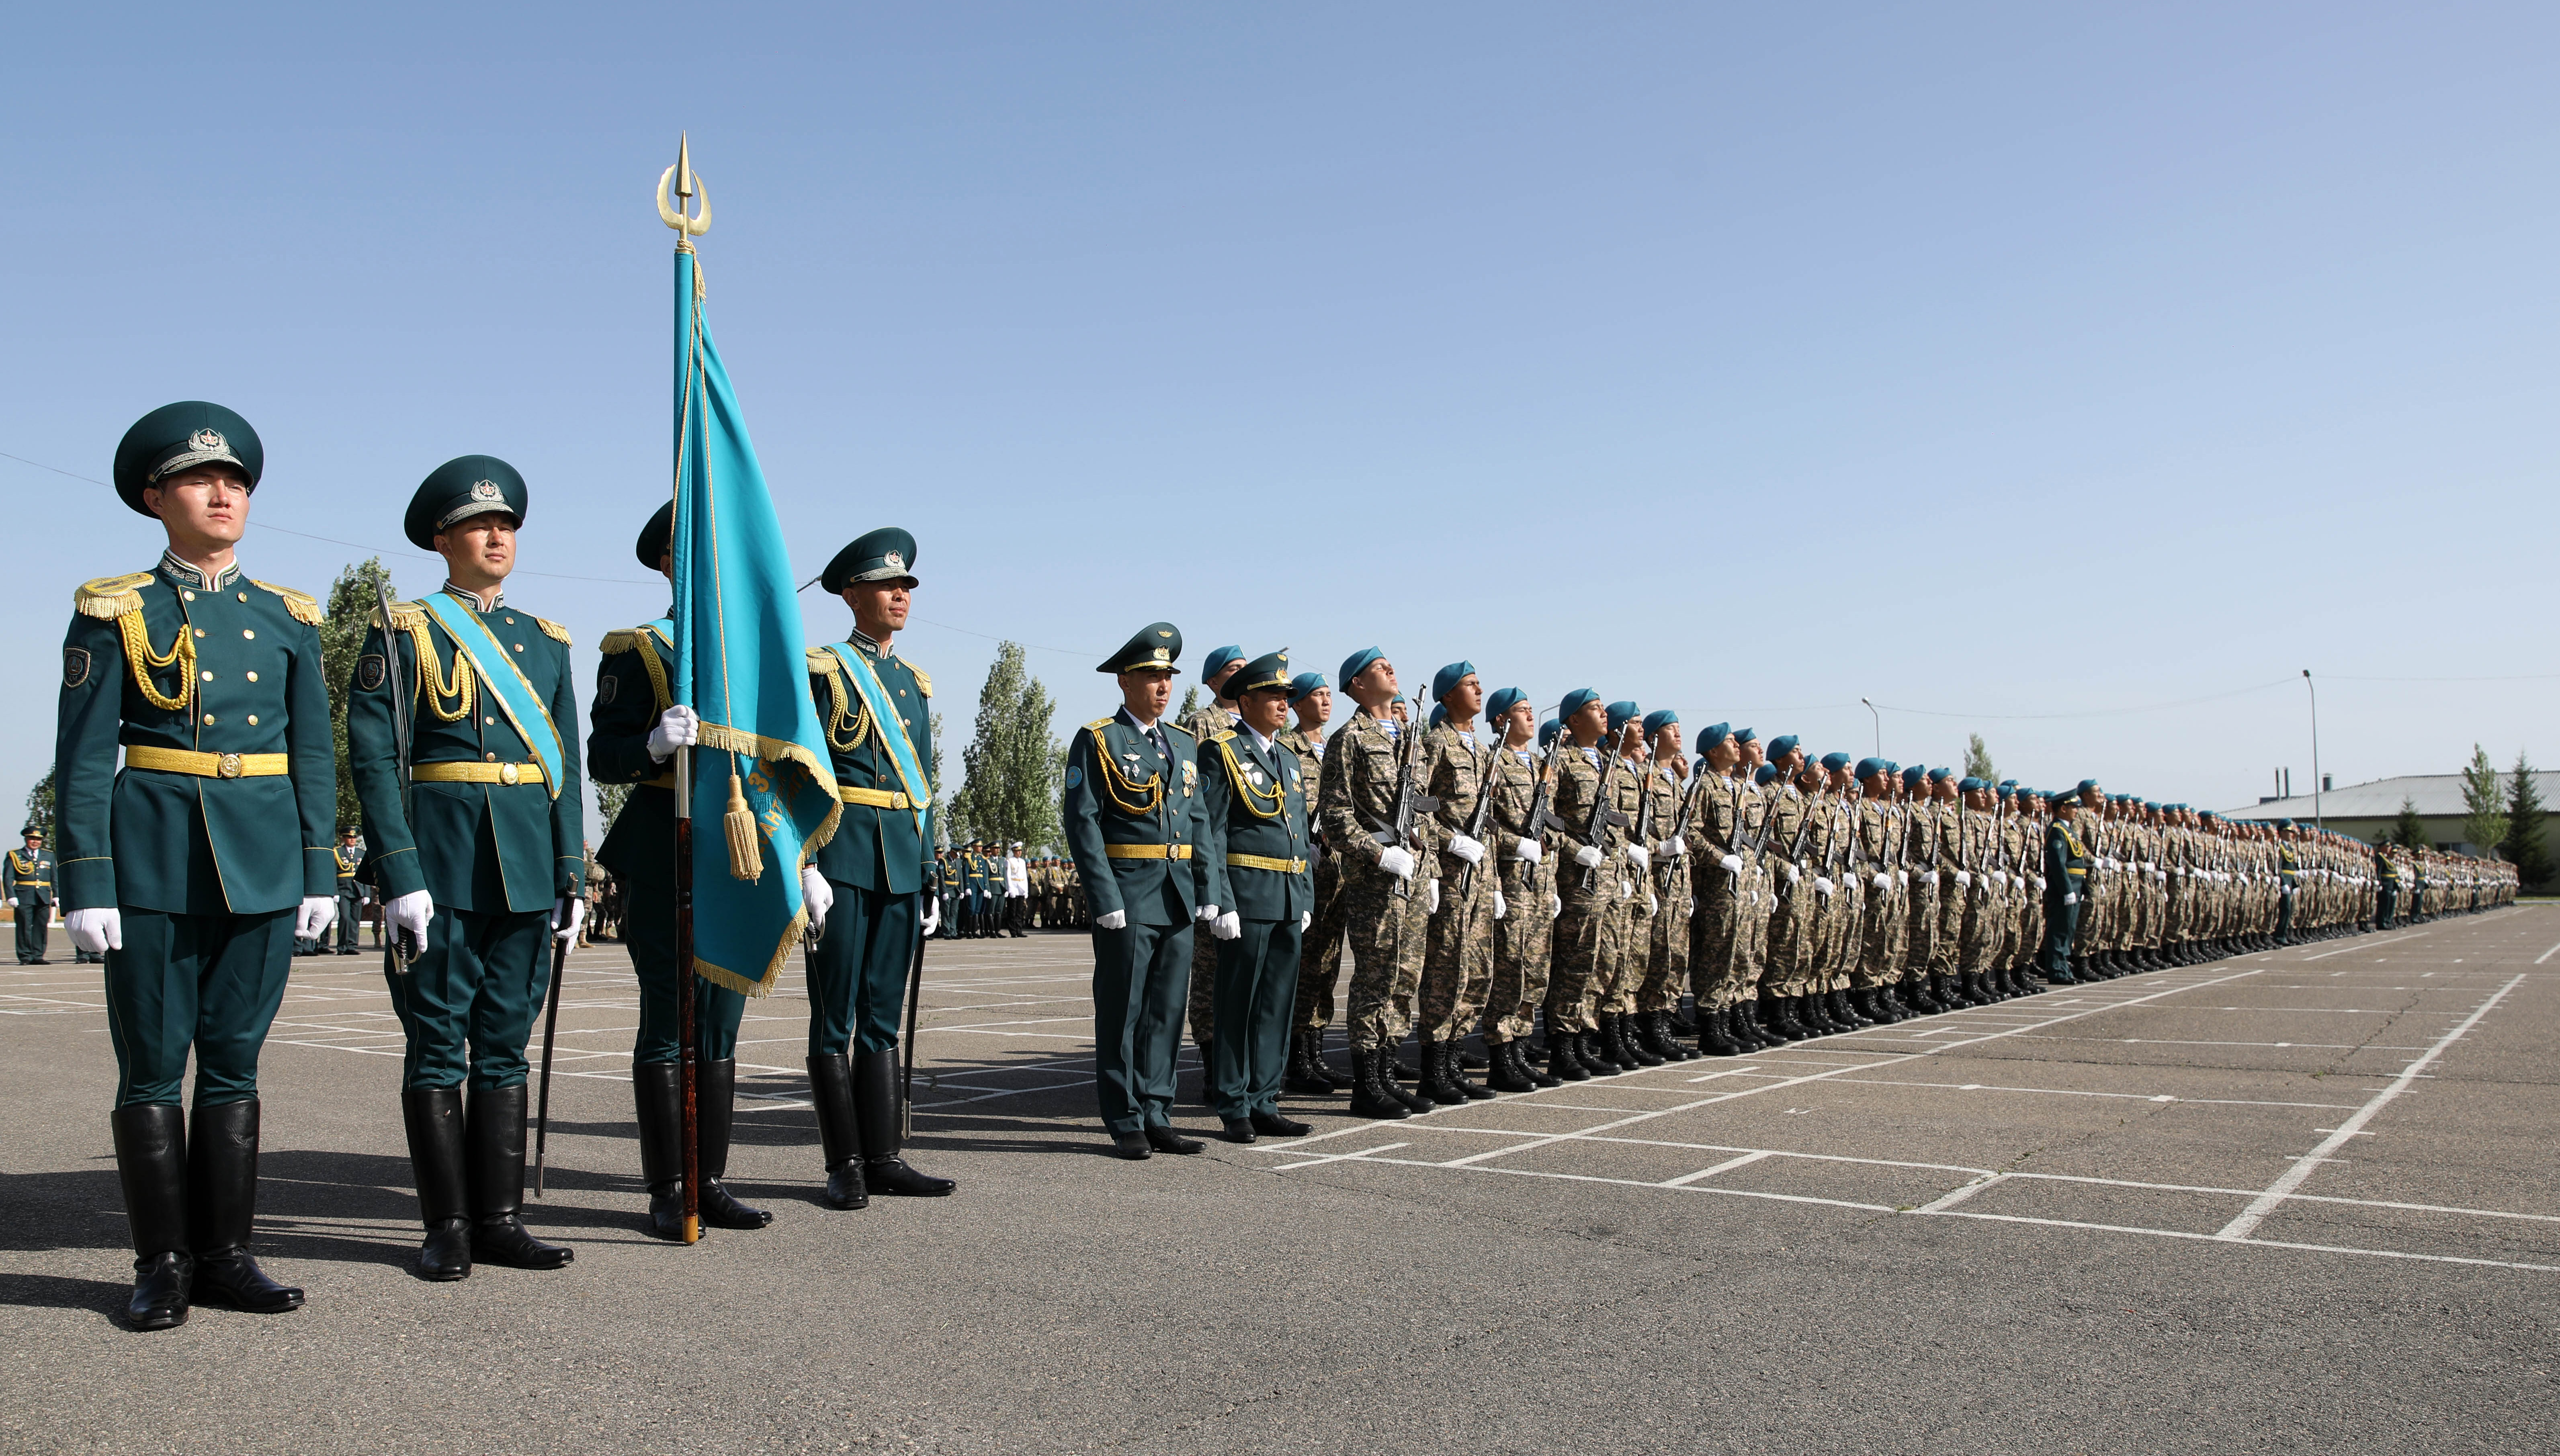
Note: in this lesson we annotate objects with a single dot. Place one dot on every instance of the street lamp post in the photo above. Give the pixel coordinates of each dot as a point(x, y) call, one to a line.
point(1879, 728)
point(2317, 820)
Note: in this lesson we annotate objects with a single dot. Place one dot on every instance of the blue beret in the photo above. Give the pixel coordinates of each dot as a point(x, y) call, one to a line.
point(1621, 711)
point(1868, 768)
point(1766, 773)
point(1781, 746)
point(1445, 681)
point(1836, 760)
point(1940, 775)
point(1745, 736)
point(2008, 788)
point(1657, 719)
point(1547, 731)
point(1216, 661)
point(1503, 701)
point(1911, 776)
point(1969, 784)
point(2284, 824)
point(1439, 715)
point(2085, 786)
point(1575, 700)
point(1355, 664)
point(1304, 684)
point(1712, 734)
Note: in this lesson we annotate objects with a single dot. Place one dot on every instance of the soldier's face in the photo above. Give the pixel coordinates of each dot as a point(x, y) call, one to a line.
point(1265, 709)
point(1876, 785)
point(211, 502)
point(1217, 683)
point(1375, 682)
point(1466, 699)
point(1146, 691)
point(35, 842)
point(1519, 723)
point(879, 605)
point(1724, 756)
point(481, 549)
point(1316, 709)
point(1587, 724)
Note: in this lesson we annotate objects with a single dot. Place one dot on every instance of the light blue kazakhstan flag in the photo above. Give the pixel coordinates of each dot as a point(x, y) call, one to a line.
point(760, 770)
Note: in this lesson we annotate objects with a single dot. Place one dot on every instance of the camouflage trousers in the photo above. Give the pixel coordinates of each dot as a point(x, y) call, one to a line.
point(1790, 970)
point(1755, 901)
point(1319, 955)
point(1458, 955)
point(1585, 936)
point(1625, 969)
point(1522, 943)
point(1920, 925)
point(1668, 946)
point(1386, 933)
point(1844, 919)
point(1879, 955)
point(1948, 948)
point(1979, 932)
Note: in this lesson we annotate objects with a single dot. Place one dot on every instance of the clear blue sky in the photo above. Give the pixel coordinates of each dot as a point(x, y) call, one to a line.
point(1989, 360)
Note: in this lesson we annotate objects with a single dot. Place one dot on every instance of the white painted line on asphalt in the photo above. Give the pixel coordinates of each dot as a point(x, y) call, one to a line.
point(2291, 1178)
point(1860, 1082)
point(1954, 1196)
point(2368, 945)
point(2547, 955)
point(2322, 1248)
point(1342, 1157)
point(1727, 1166)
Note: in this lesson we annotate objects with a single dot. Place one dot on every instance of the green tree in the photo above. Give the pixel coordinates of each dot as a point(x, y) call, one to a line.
point(1191, 703)
point(2410, 831)
point(609, 799)
point(39, 805)
point(354, 600)
point(1978, 760)
point(1010, 781)
point(2523, 844)
point(2484, 803)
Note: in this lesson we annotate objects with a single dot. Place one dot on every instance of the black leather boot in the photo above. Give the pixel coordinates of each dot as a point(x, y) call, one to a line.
point(1439, 1068)
point(1474, 1090)
point(1777, 1021)
point(1742, 1024)
point(151, 1164)
point(1597, 1052)
point(221, 1211)
point(656, 1095)
point(1520, 1064)
point(1504, 1076)
point(432, 1117)
point(830, 1090)
point(1419, 1098)
point(1714, 1039)
point(1369, 1097)
point(1868, 1001)
point(1807, 1011)
point(1651, 1035)
point(1565, 1057)
point(1302, 1078)
point(493, 1166)
point(875, 1118)
point(714, 1114)
point(1334, 1082)
point(1845, 1012)
point(1922, 993)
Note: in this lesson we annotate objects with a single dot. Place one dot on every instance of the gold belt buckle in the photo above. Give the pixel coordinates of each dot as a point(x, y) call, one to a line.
point(227, 767)
point(507, 774)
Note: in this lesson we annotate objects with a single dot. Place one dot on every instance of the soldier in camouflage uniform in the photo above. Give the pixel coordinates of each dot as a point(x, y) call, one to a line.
point(1587, 886)
point(1458, 958)
point(1872, 978)
point(1788, 824)
point(1612, 995)
point(1666, 787)
point(1721, 883)
point(1524, 938)
point(1386, 889)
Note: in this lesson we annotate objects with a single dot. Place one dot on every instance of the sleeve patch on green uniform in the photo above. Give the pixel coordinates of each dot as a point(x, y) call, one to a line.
point(371, 668)
point(75, 666)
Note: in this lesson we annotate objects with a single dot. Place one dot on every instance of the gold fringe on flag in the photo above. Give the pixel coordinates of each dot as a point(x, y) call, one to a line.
point(746, 846)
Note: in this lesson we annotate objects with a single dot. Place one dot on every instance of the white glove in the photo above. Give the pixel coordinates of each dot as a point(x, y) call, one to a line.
point(2070, 898)
point(1794, 874)
point(1626, 890)
point(1500, 909)
point(411, 913)
point(1470, 850)
point(1434, 889)
point(1675, 848)
point(1884, 881)
point(1587, 855)
point(568, 913)
point(1554, 905)
point(677, 727)
point(1732, 864)
point(11, 901)
point(1395, 860)
point(1227, 926)
point(313, 919)
point(1528, 852)
point(96, 931)
point(1964, 878)
point(1821, 884)
point(932, 912)
point(1205, 914)
point(817, 896)
point(1640, 857)
point(1305, 919)
point(1999, 878)
point(1904, 875)
point(1111, 920)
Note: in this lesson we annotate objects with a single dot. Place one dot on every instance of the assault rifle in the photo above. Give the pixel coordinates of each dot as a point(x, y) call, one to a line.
point(1603, 814)
point(1680, 824)
point(1483, 818)
point(1410, 804)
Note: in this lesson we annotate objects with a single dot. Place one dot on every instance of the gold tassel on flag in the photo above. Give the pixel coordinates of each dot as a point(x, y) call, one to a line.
point(746, 846)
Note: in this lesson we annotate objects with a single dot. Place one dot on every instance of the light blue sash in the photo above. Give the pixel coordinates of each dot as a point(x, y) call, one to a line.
point(504, 681)
point(892, 729)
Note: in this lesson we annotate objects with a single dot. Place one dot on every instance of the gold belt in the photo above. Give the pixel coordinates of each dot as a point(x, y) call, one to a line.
point(1265, 862)
point(463, 770)
point(207, 765)
point(1146, 851)
point(875, 798)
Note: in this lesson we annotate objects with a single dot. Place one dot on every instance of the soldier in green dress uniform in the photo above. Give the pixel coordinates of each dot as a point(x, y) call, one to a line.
point(2066, 889)
point(31, 895)
point(877, 711)
point(1135, 820)
point(348, 857)
point(635, 729)
point(479, 857)
point(194, 868)
point(1256, 818)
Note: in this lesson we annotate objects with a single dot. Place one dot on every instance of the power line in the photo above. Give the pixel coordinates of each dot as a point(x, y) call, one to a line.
point(2092, 712)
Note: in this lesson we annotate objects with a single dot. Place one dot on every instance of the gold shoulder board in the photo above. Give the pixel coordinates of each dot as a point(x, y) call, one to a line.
point(554, 631)
point(623, 639)
point(1098, 724)
point(110, 597)
point(822, 660)
point(923, 683)
point(407, 617)
point(1179, 729)
point(1222, 735)
point(302, 606)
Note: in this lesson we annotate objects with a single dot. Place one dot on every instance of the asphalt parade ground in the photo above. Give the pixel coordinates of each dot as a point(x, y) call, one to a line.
point(2297, 1201)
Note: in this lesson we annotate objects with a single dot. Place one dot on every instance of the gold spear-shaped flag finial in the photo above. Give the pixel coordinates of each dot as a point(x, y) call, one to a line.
point(684, 187)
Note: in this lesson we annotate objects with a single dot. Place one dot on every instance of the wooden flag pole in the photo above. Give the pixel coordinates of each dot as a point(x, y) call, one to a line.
point(685, 989)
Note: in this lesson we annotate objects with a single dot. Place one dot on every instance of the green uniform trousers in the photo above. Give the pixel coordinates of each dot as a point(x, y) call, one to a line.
point(210, 982)
point(350, 905)
point(467, 1003)
point(649, 932)
point(1141, 977)
point(33, 922)
point(2061, 922)
point(1255, 992)
point(857, 973)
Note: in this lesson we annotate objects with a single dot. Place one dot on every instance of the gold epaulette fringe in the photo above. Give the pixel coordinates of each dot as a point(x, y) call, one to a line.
point(110, 597)
point(407, 617)
point(1098, 724)
point(820, 660)
point(302, 606)
point(554, 631)
point(620, 640)
point(923, 683)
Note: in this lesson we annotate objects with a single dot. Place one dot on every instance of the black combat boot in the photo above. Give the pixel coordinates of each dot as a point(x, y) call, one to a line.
point(1369, 1096)
point(831, 1092)
point(1506, 1074)
point(1654, 1026)
point(1685, 1024)
point(1522, 1063)
point(1419, 1099)
point(1339, 1081)
point(1439, 1071)
point(493, 1168)
point(1742, 1024)
point(1715, 1034)
point(1565, 1057)
point(1868, 1003)
point(1923, 992)
point(432, 1117)
point(715, 1113)
point(1846, 1010)
point(1776, 1022)
point(222, 1210)
point(656, 1095)
point(1302, 1078)
point(151, 1164)
point(1809, 1013)
point(1621, 1031)
point(1458, 1059)
point(875, 1121)
point(1597, 1052)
